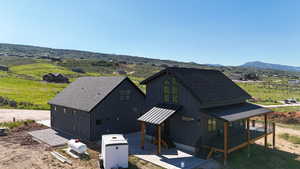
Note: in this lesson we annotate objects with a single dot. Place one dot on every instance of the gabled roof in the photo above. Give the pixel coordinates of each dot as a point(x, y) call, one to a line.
point(236, 112)
point(86, 92)
point(158, 114)
point(211, 87)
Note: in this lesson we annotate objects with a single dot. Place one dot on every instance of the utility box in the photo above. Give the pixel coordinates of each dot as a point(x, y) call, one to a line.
point(114, 149)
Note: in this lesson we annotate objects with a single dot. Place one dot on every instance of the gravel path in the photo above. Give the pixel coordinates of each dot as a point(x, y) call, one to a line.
point(9, 114)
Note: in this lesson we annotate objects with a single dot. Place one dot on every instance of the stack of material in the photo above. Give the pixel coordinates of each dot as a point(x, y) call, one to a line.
point(61, 158)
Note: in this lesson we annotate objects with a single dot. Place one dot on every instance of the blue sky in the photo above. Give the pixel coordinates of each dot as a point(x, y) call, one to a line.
point(228, 32)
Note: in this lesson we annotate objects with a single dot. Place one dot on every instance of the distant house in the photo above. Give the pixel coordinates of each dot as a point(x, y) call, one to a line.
point(3, 68)
point(121, 72)
point(294, 82)
point(55, 78)
point(92, 106)
point(78, 70)
point(200, 111)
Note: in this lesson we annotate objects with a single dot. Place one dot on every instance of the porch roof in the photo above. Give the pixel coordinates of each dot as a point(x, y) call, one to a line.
point(158, 114)
point(237, 111)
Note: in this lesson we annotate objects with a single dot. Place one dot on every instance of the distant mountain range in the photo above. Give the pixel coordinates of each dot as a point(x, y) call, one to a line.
point(263, 65)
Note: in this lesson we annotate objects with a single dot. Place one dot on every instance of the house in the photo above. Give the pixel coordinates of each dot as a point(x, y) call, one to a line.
point(293, 82)
point(199, 110)
point(92, 106)
point(3, 68)
point(56, 78)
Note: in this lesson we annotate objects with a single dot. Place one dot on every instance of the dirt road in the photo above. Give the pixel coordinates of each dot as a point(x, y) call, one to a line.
point(280, 105)
point(282, 144)
point(9, 114)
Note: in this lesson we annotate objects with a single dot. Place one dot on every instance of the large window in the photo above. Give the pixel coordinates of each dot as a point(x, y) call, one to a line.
point(166, 91)
point(170, 91)
point(212, 124)
point(174, 90)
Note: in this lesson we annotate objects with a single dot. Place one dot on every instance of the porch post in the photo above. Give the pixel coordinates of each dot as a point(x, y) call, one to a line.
point(225, 142)
point(266, 127)
point(142, 134)
point(159, 139)
point(253, 123)
point(248, 135)
point(273, 135)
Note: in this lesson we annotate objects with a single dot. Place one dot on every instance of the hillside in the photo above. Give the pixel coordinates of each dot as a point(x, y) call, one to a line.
point(12, 55)
point(263, 65)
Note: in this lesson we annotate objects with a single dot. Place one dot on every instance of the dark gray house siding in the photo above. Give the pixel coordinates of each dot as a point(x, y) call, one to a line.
point(118, 115)
point(75, 123)
point(183, 132)
point(191, 133)
point(116, 112)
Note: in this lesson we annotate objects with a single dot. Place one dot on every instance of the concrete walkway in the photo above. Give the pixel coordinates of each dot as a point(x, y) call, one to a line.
point(50, 137)
point(169, 158)
point(18, 114)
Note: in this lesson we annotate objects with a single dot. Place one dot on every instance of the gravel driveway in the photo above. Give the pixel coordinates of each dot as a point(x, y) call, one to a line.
point(9, 114)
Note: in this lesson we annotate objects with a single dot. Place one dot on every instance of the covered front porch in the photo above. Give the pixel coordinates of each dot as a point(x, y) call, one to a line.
point(234, 138)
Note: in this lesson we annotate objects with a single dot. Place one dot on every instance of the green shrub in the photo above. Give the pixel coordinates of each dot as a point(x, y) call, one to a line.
point(15, 124)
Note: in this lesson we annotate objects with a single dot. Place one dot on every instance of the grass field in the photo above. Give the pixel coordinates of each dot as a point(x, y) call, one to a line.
point(23, 84)
point(261, 158)
point(37, 70)
point(35, 92)
point(269, 93)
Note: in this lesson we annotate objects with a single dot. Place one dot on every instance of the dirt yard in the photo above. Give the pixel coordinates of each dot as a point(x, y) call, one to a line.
point(20, 151)
point(282, 144)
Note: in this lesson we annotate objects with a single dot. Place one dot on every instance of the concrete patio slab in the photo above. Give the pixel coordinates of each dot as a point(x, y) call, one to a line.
point(50, 137)
point(169, 158)
point(44, 122)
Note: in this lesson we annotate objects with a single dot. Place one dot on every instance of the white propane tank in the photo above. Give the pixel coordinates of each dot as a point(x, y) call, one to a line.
point(77, 146)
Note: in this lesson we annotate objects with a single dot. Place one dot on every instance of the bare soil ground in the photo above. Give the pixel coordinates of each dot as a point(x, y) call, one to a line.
point(282, 144)
point(20, 151)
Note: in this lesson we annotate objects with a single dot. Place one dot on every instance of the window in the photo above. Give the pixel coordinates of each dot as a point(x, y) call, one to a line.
point(170, 91)
point(98, 122)
point(124, 95)
point(166, 91)
point(174, 90)
point(212, 125)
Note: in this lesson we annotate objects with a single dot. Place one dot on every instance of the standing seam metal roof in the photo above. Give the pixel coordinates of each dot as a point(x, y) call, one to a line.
point(236, 112)
point(158, 114)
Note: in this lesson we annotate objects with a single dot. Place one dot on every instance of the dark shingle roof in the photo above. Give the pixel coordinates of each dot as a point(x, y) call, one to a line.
point(86, 92)
point(236, 112)
point(158, 114)
point(211, 87)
